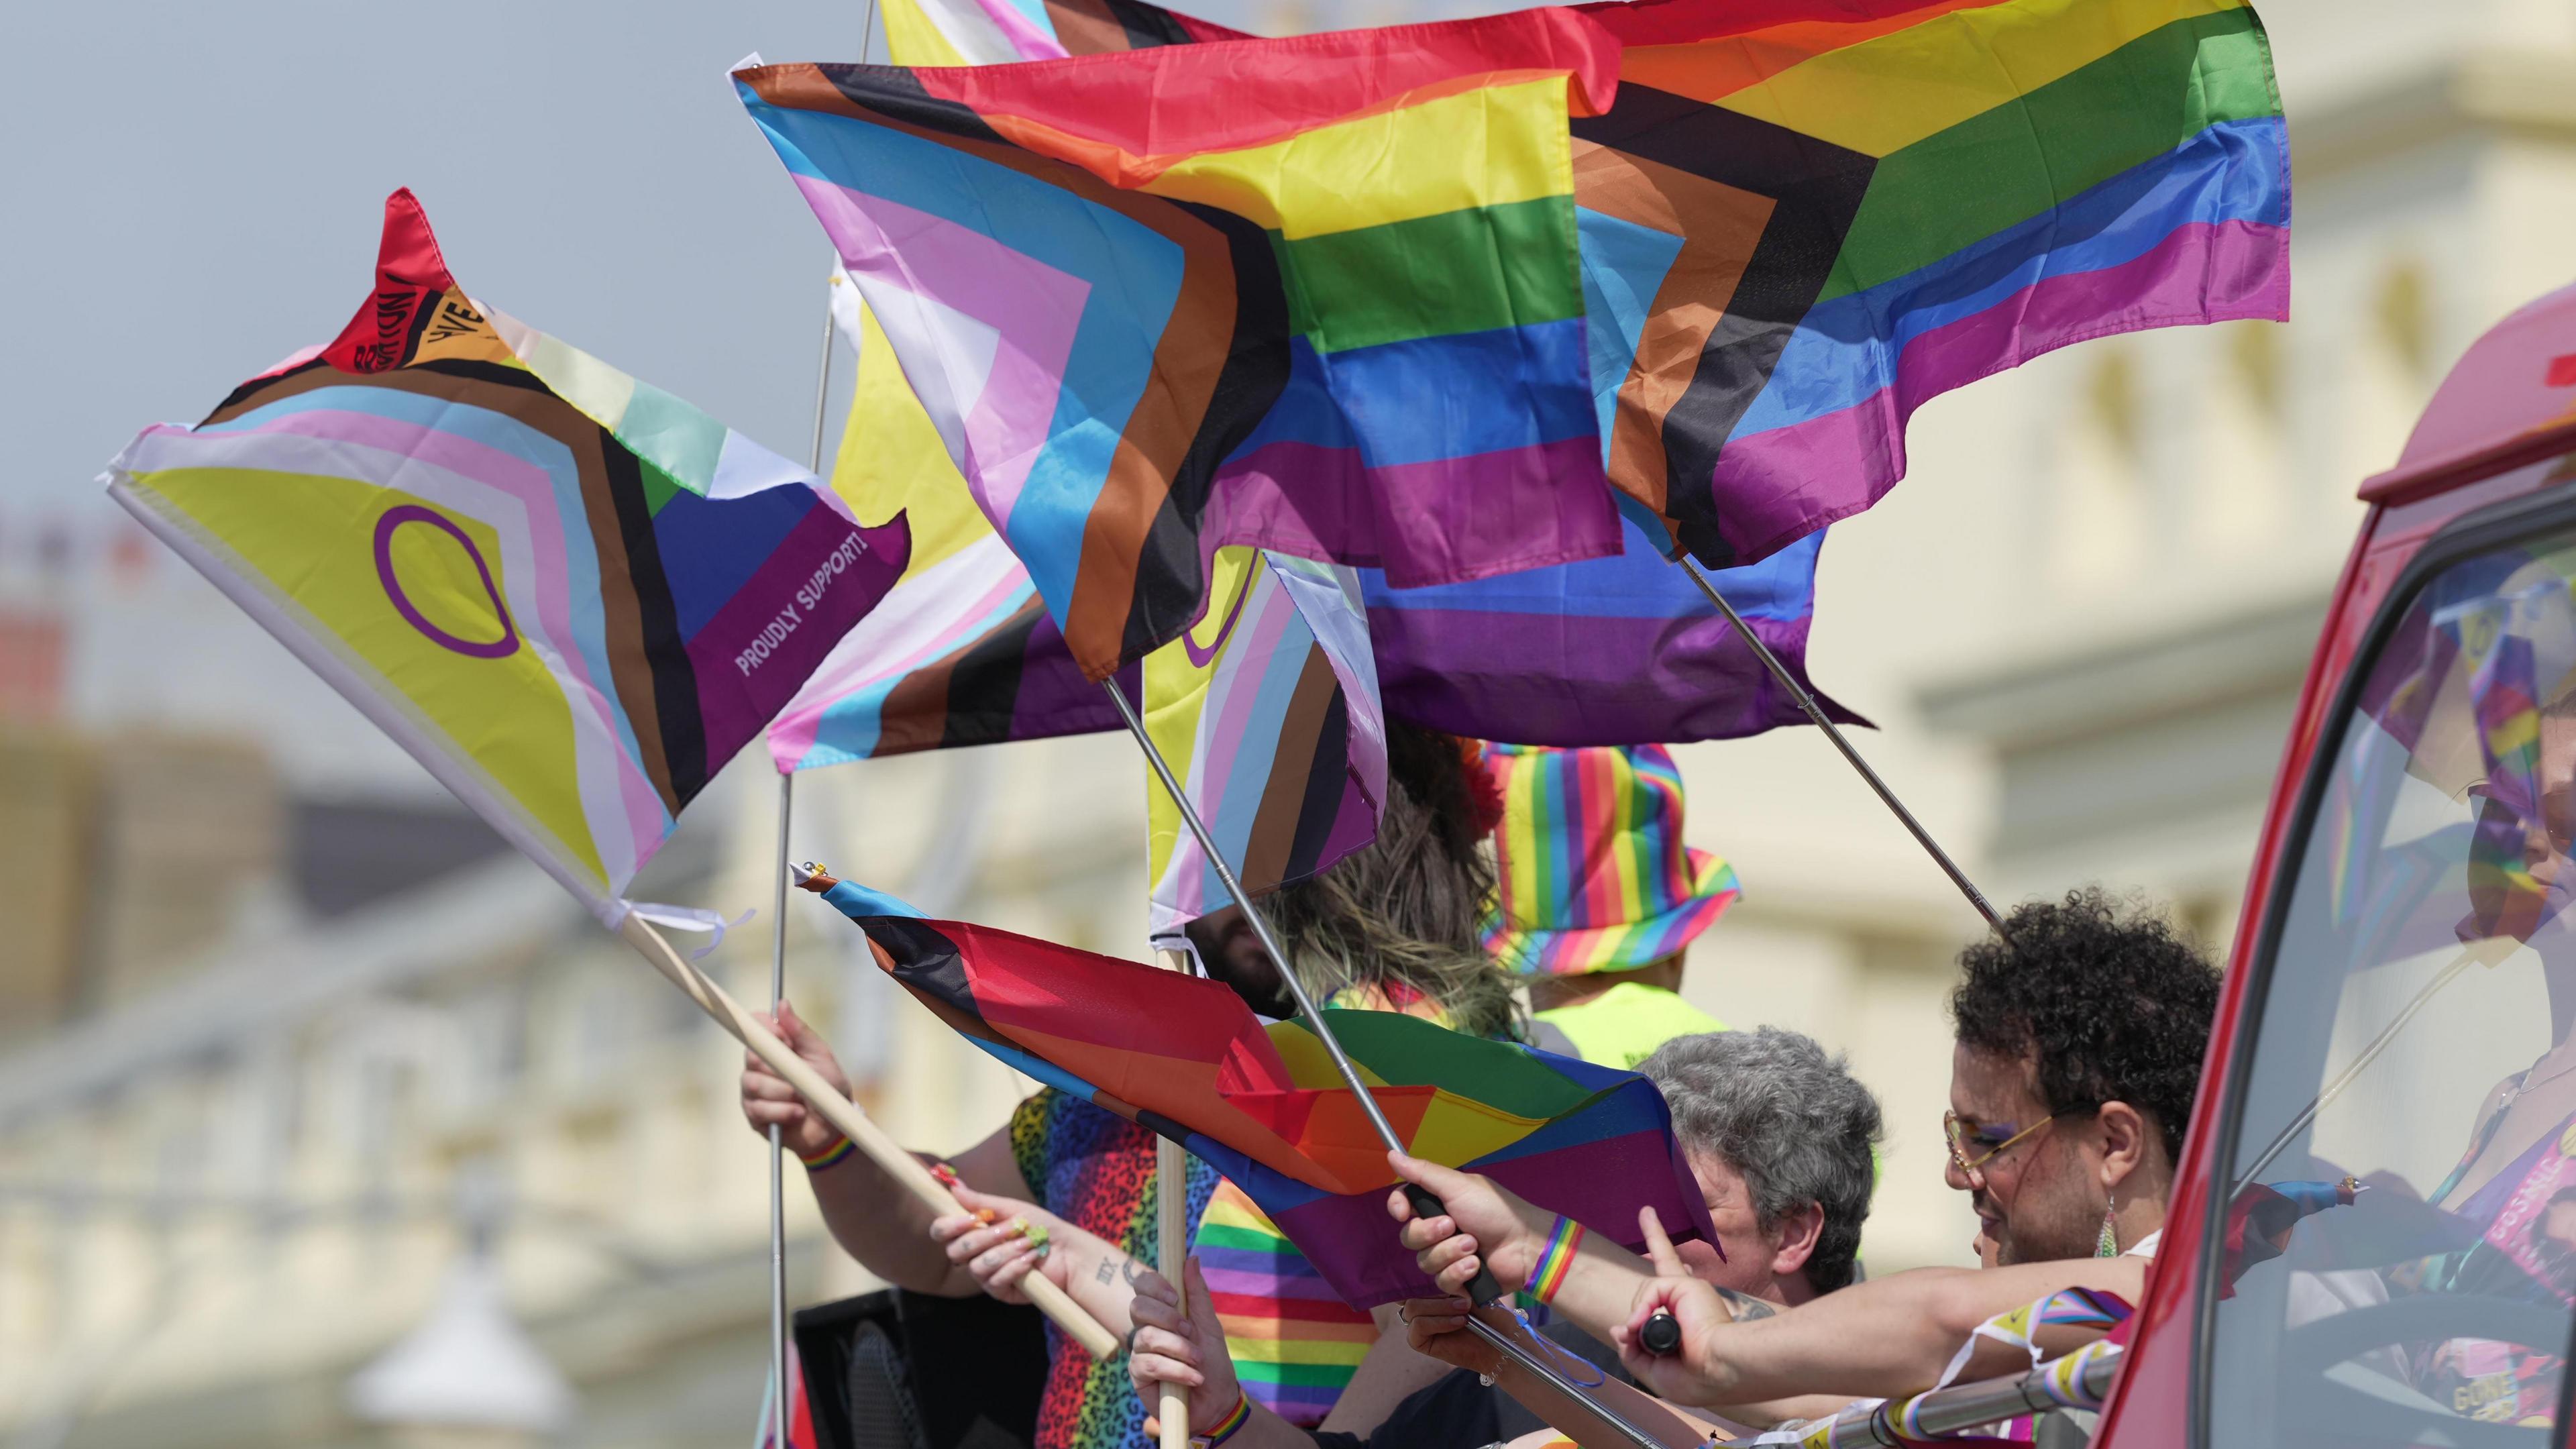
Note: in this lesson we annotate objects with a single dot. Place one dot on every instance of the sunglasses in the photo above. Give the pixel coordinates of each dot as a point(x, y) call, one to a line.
point(1993, 1139)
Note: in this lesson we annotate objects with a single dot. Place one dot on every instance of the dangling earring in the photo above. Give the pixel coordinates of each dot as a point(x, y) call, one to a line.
point(2108, 1244)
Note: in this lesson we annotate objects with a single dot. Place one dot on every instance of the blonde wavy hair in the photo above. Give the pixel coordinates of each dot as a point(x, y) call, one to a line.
point(1403, 917)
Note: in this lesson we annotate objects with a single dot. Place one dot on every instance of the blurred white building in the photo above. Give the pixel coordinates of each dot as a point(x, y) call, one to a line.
point(283, 1035)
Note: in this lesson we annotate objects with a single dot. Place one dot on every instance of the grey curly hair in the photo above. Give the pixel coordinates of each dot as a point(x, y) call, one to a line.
point(1788, 1117)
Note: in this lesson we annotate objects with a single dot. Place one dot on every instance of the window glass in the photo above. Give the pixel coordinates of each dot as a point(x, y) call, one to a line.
point(2401, 1231)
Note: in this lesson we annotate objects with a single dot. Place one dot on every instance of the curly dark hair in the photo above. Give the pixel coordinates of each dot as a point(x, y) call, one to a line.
point(2112, 1002)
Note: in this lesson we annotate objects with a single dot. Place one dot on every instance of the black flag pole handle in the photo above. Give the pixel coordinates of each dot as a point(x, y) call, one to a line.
point(1484, 1289)
point(1816, 715)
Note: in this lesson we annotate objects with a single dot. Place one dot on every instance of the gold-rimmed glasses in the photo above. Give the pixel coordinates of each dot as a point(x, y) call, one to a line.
point(1985, 1137)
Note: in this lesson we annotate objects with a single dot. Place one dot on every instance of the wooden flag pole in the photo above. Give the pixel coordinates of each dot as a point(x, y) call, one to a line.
point(1172, 1238)
point(1816, 715)
point(842, 1113)
point(1483, 1289)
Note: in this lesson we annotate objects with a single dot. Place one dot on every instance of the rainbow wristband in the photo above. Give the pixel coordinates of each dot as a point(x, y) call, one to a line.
point(1227, 1427)
point(829, 1157)
point(1548, 1273)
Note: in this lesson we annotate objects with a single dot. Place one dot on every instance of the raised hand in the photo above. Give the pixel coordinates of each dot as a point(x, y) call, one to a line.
point(1435, 1328)
point(1696, 1308)
point(768, 1101)
point(1481, 1225)
point(1171, 1344)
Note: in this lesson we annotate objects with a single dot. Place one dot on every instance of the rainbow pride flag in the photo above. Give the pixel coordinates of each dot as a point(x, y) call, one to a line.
point(1273, 728)
point(1886, 200)
point(1160, 302)
point(1188, 1059)
point(1802, 219)
point(961, 652)
point(570, 595)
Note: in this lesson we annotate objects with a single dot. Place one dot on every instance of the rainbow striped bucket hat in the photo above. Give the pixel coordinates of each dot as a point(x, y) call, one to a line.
point(1592, 873)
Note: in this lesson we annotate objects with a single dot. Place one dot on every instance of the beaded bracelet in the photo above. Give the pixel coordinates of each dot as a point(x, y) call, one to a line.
point(1548, 1273)
point(829, 1157)
point(1227, 1427)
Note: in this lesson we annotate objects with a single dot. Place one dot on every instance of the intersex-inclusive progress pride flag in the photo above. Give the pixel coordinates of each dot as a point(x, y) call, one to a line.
point(1802, 219)
point(1267, 712)
point(962, 651)
point(1320, 296)
point(1264, 1106)
point(570, 595)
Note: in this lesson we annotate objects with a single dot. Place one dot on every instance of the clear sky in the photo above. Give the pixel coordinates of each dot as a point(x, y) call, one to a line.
point(193, 190)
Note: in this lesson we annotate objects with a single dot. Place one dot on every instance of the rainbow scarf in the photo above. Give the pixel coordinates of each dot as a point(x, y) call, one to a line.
point(1188, 1059)
point(570, 595)
point(1161, 302)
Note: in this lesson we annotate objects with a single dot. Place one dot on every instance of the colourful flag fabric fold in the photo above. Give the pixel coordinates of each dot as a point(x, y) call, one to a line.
point(1613, 651)
point(1319, 296)
point(962, 652)
point(1273, 728)
point(567, 593)
point(1188, 1059)
point(1803, 219)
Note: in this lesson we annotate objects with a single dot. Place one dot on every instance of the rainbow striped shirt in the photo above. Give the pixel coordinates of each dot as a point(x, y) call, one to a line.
point(1295, 1345)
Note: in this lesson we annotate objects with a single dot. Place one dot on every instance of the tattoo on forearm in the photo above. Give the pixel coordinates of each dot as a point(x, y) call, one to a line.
point(1106, 1271)
point(1130, 1271)
point(1745, 1306)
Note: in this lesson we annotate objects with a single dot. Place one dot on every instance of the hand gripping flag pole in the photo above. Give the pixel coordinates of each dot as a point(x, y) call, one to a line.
point(778, 976)
point(1816, 715)
point(890, 1157)
point(1484, 1289)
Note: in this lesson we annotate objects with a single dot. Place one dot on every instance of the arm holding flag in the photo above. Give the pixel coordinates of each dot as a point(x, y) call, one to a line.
point(877, 1218)
point(1886, 1337)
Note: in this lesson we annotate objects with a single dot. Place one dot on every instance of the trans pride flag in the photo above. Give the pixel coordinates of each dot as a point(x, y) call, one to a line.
point(1803, 219)
point(570, 595)
point(1273, 728)
point(1188, 1059)
point(1319, 296)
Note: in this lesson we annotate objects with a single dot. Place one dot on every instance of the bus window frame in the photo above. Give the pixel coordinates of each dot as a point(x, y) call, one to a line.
point(2497, 525)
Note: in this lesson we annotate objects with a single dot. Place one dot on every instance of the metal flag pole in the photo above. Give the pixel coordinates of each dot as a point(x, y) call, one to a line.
point(1816, 716)
point(1172, 1242)
point(2487, 952)
point(1484, 1289)
point(778, 982)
